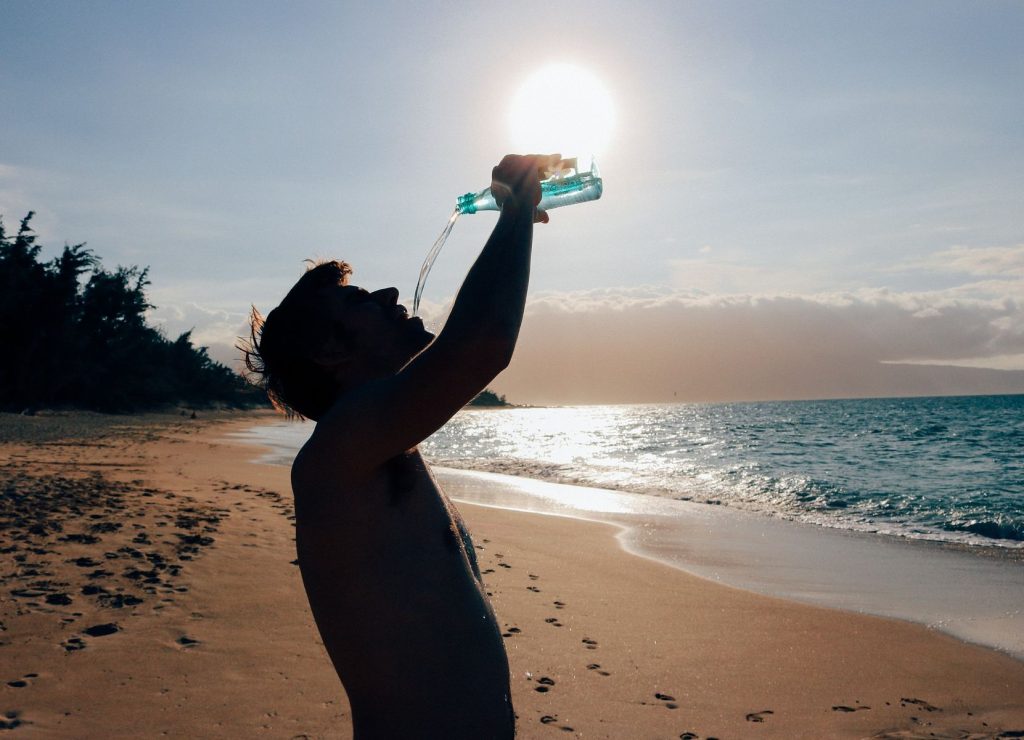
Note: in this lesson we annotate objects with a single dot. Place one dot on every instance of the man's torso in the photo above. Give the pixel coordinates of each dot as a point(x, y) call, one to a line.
point(391, 576)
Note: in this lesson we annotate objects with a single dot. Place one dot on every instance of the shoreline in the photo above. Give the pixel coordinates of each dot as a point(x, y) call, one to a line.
point(282, 443)
point(908, 580)
point(868, 573)
point(974, 543)
point(601, 643)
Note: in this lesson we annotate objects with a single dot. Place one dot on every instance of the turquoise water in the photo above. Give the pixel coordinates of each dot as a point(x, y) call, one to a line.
point(932, 468)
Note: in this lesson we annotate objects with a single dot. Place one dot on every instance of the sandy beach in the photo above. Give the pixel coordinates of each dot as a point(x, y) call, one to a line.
point(150, 590)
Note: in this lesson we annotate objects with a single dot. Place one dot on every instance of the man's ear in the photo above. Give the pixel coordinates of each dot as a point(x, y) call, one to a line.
point(333, 356)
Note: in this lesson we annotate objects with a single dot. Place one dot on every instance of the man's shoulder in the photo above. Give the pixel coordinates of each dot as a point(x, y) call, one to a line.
point(325, 485)
point(327, 461)
point(336, 437)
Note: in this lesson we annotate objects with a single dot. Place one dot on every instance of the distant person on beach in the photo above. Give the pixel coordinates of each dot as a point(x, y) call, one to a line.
point(388, 565)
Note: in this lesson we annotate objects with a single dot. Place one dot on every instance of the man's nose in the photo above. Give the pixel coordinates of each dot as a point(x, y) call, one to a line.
point(385, 296)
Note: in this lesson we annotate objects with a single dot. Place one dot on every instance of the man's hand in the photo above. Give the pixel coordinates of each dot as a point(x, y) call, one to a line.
point(516, 181)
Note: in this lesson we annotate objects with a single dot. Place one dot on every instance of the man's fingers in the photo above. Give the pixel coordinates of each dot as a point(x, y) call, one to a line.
point(520, 175)
point(518, 167)
point(551, 164)
point(545, 163)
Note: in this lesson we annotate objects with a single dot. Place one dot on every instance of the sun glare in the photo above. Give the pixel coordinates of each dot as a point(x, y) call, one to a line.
point(562, 108)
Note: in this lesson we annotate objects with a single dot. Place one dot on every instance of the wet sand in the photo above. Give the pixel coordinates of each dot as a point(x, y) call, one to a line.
point(150, 590)
point(973, 595)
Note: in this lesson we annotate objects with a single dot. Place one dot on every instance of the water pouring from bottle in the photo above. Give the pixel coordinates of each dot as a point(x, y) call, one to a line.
point(566, 187)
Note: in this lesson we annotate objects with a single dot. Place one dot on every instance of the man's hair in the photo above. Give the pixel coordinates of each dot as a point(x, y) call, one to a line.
point(280, 350)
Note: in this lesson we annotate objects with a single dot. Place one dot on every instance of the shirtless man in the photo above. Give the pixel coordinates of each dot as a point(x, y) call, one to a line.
point(388, 565)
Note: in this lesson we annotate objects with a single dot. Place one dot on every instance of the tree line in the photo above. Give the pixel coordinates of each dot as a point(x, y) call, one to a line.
point(74, 334)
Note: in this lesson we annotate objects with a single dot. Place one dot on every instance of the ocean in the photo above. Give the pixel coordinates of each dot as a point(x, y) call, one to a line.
point(911, 508)
point(945, 468)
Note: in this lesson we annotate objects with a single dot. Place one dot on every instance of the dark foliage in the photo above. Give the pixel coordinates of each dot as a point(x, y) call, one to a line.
point(489, 398)
point(75, 334)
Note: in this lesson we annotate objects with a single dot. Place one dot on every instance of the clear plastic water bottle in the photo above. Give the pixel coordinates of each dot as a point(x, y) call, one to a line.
point(567, 186)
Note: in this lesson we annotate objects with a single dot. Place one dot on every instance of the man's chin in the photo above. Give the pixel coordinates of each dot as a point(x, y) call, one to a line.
point(425, 338)
point(419, 337)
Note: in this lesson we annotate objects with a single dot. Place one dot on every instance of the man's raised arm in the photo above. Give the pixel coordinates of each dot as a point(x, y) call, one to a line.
point(384, 417)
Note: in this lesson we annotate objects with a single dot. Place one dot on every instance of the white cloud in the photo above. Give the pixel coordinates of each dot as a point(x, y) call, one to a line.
point(995, 362)
point(654, 343)
point(214, 328)
point(1000, 262)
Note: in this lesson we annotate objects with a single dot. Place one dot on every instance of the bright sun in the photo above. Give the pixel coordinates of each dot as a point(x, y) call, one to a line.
point(562, 108)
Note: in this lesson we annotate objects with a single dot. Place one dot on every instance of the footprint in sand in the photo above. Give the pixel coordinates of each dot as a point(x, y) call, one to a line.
point(597, 667)
point(553, 621)
point(102, 630)
point(668, 699)
point(24, 681)
point(119, 601)
point(591, 644)
point(186, 641)
point(27, 593)
point(844, 708)
point(545, 684)
point(73, 643)
point(759, 716)
point(533, 577)
point(83, 562)
point(920, 703)
point(12, 721)
point(559, 604)
point(81, 539)
point(533, 588)
point(547, 719)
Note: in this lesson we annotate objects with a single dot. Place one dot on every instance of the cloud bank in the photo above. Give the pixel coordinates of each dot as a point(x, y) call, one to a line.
point(627, 346)
point(217, 329)
point(635, 345)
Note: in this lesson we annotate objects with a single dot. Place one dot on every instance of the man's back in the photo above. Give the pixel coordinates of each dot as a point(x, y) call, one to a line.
point(392, 581)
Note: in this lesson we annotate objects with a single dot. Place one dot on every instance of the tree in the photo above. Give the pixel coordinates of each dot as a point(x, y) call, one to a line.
point(72, 341)
point(488, 397)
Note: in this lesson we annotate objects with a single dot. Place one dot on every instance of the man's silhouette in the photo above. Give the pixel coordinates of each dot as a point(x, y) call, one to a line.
point(388, 565)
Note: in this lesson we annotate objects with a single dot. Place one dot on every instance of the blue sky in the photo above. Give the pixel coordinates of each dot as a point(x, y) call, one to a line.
point(837, 154)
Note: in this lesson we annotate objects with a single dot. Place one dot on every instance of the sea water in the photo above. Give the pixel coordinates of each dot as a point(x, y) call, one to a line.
point(736, 492)
point(932, 468)
point(948, 469)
